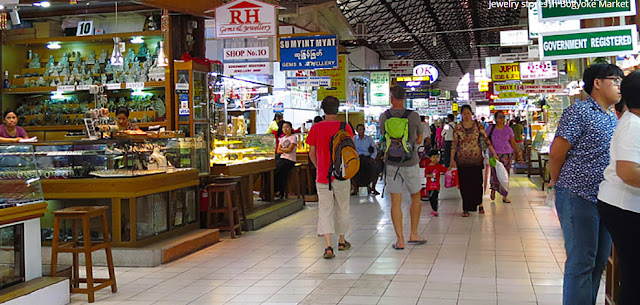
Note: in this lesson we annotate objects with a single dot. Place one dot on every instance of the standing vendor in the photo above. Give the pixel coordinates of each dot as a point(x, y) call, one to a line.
point(122, 122)
point(277, 118)
point(10, 132)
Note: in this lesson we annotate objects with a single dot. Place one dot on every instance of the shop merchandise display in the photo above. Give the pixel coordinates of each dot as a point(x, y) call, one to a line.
point(243, 149)
point(19, 183)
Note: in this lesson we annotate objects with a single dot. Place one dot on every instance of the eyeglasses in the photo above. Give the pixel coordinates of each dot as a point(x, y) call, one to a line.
point(499, 116)
point(616, 81)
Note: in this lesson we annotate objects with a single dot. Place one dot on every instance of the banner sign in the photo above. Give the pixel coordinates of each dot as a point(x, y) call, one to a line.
point(551, 10)
point(398, 67)
point(539, 89)
point(426, 70)
point(308, 52)
point(418, 94)
point(538, 70)
point(248, 53)
point(246, 18)
point(504, 87)
point(380, 86)
point(502, 72)
point(592, 42)
point(310, 81)
point(507, 57)
point(536, 26)
point(338, 80)
point(514, 38)
point(247, 68)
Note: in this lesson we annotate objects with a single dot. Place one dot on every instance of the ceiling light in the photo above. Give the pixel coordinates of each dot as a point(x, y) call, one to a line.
point(45, 4)
point(54, 45)
point(36, 4)
point(1, 7)
point(137, 40)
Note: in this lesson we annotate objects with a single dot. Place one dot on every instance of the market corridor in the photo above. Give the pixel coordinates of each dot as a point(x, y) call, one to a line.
point(511, 255)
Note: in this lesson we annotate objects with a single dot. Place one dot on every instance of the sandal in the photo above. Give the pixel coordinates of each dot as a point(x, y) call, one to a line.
point(493, 195)
point(395, 246)
point(481, 210)
point(465, 214)
point(506, 200)
point(328, 253)
point(344, 246)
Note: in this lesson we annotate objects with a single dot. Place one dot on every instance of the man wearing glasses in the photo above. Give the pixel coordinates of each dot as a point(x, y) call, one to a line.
point(579, 154)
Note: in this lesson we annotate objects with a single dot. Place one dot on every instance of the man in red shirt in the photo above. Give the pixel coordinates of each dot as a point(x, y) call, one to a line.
point(333, 205)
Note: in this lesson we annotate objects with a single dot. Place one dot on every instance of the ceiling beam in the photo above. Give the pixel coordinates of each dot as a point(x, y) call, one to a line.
point(82, 10)
point(408, 30)
point(439, 28)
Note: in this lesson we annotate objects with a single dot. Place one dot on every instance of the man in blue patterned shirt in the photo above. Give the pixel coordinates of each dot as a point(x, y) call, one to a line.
point(579, 154)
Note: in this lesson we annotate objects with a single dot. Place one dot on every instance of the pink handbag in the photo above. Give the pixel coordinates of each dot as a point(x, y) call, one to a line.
point(451, 178)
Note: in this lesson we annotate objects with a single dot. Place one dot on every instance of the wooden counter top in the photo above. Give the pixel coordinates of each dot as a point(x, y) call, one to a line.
point(118, 187)
point(243, 169)
point(22, 213)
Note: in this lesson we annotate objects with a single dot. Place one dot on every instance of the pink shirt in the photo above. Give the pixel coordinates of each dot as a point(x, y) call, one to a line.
point(20, 132)
point(501, 139)
point(284, 143)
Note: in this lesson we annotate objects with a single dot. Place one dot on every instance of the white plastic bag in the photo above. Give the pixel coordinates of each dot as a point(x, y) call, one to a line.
point(551, 197)
point(503, 175)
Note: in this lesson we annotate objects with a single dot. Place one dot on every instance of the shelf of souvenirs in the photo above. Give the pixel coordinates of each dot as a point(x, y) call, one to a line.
point(81, 127)
point(85, 39)
point(79, 88)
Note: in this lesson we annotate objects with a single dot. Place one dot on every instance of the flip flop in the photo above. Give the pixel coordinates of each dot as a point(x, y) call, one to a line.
point(395, 246)
point(417, 242)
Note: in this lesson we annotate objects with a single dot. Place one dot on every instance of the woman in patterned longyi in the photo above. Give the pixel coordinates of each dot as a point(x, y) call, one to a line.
point(466, 155)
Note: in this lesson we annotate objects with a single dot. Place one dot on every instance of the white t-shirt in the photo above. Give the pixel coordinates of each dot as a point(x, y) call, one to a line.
point(284, 143)
point(447, 131)
point(426, 131)
point(625, 146)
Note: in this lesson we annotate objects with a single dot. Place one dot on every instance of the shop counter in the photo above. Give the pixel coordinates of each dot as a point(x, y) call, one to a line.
point(249, 172)
point(143, 209)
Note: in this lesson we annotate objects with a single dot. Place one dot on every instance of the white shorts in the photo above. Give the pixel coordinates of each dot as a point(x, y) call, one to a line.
point(407, 175)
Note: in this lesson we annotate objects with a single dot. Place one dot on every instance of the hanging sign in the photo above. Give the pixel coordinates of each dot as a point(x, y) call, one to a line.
point(248, 53)
point(85, 28)
point(510, 57)
point(338, 80)
point(247, 68)
point(246, 18)
point(426, 70)
point(380, 86)
point(502, 72)
point(398, 67)
point(418, 94)
point(514, 38)
point(538, 70)
point(592, 42)
point(536, 26)
point(308, 52)
point(309, 81)
point(540, 89)
point(550, 10)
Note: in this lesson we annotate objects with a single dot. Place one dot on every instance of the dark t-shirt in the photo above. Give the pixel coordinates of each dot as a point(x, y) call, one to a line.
point(414, 130)
point(20, 132)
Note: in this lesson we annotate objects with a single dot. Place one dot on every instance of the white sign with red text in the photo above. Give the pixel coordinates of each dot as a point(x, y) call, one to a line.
point(247, 68)
point(249, 53)
point(539, 89)
point(246, 18)
point(538, 70)
point(398, 67)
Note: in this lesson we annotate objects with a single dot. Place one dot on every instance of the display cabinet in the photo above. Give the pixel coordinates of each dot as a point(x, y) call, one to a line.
point(19, 180)
point(192, 96)
point(243, 149)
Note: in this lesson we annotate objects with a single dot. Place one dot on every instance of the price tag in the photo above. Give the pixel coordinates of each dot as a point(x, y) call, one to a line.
point(83, 87)
point(135, 85)
point(85, 28)
point(116, 86)
point(66, 88)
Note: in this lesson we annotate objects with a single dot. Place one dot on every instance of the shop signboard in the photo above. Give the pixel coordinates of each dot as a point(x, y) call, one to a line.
point(504, 72)
point(551, 10)
point(309, 81)
point(418, 94)
point(247, 53)
point(592, 42)
point(338, 80)
point(380, 87)
point(540, 89)
point(308, 52)
point(507, 90)
point(514, 38)
point(247, 68)
point(246, 18)
point(426, 70)
point(538, 70)
point(433, 101)
point(398, 67)
point(536, 26)
point(511, 57)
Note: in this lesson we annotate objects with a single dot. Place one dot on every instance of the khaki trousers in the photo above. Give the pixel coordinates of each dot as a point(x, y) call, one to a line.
point(333, 207)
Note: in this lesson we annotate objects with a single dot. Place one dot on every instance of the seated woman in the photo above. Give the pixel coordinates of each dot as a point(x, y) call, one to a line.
point(287, 150)
point(367, 150)
point(122, 122)
point(10, 132)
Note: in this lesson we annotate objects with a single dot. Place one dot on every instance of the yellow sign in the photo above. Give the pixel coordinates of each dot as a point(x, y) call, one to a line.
point(413, 78)
point(503, 72)
point(338, 80)
point(454, 107)
point(511, 95)
point(483, 86)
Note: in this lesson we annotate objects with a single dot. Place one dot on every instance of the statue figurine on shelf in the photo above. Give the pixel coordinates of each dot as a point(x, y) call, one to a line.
point(64, 62)
point(65, 80)
point(143, 52)
point(51, 63)
point(150, 24)
point(103, 57)
point(103, 78)
point(35, 62)
point(95, 69)
point(41, 82)
point(130, 58)
point(142, 77)
point(108, 68)
point(91, 59)
point(65, 72)
point(75, 71)
point(131, 78)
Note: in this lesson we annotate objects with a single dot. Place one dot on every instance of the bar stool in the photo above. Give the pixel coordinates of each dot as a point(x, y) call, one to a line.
point(294, 183)
point(238, 191)
point(229, 207)
point(83, 214)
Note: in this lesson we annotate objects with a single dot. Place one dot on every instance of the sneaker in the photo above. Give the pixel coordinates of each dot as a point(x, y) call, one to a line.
point(434, 213)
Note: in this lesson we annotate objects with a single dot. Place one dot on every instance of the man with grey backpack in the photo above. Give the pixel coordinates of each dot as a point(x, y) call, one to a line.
point(401, 130)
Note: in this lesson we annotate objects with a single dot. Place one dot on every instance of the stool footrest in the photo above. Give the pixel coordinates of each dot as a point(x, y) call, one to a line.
point(95, 288)
point(71, 248)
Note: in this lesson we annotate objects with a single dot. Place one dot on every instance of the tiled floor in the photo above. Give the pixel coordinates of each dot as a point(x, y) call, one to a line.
point(511, 255)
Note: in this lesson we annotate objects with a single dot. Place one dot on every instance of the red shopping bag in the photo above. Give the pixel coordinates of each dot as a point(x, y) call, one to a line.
point(451, 178)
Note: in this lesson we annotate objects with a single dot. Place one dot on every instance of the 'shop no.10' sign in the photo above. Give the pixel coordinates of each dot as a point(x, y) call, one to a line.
point(426, 70)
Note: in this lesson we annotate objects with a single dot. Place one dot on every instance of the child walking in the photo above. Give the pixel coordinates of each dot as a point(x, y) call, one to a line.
point(432, 172)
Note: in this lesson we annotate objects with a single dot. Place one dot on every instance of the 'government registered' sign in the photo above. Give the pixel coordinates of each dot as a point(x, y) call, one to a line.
point(593, 42)
point(308, 52)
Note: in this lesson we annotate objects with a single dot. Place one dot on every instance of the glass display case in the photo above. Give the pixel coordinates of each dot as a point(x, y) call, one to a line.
point(243, 149)
point(19, 179)
point(119, 158)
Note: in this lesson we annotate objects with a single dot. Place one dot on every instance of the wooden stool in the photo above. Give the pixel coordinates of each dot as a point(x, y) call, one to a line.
point(74, 247)
point(238, 191)
point(230, 207)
